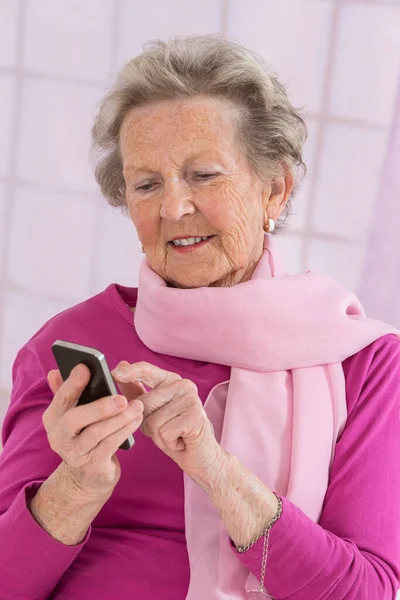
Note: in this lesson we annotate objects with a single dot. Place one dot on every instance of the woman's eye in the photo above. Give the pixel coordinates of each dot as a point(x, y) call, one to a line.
point(145, 188)
point(206, 175)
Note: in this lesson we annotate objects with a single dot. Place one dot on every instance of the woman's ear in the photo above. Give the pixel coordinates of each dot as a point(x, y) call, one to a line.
point(281, 189)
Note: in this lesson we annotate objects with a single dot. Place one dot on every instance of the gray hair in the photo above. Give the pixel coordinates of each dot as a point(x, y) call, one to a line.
point(270, 130)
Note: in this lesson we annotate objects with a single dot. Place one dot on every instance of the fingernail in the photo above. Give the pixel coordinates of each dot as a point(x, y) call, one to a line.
point(121, 372)
point(136, 407)
point(120, 401)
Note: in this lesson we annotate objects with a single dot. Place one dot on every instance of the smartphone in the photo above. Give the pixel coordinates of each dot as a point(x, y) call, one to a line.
point(101, 383)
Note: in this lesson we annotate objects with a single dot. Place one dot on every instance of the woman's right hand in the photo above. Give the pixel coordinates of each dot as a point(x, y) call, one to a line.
point(87, 436)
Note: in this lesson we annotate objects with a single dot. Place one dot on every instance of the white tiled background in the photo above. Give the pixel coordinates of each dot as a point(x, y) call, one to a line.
point(59, 240)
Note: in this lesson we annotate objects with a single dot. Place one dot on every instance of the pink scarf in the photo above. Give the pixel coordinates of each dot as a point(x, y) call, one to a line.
point(284, 407)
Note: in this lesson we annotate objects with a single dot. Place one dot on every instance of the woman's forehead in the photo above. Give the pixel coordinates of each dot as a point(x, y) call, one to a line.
point(181, 118)
point(193, 130)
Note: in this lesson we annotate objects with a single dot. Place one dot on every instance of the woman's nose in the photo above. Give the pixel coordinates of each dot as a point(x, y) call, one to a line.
point(176, 201)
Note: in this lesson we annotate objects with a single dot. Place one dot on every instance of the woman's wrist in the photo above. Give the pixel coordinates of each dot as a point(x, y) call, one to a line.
point(65, 514)
point(266, 530)
point(211, 478)
point(246, 506)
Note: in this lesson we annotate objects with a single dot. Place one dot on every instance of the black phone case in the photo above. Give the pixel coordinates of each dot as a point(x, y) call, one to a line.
point(98, 386)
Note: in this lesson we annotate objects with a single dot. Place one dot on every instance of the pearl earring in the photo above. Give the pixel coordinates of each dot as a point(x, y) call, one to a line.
point(270, 225)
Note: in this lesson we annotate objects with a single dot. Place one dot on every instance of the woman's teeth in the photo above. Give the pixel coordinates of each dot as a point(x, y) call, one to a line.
point(189, 241)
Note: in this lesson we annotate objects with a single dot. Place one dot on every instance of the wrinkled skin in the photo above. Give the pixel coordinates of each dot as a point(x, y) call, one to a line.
point(196, 182)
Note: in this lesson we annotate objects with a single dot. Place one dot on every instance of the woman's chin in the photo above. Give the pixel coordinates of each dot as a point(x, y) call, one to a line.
point(187, 285)
point(189, 282)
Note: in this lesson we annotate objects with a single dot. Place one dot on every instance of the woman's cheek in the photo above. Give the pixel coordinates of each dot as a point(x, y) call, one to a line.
point(146, 223)
point(219, 210)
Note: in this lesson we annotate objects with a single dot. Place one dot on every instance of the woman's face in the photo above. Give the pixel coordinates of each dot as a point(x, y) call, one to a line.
point(186, 177)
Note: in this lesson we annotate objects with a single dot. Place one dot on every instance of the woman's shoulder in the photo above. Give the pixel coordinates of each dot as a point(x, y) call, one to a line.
point(375, 368)
point(92, 321)
point(87, 308)
point(386, 347)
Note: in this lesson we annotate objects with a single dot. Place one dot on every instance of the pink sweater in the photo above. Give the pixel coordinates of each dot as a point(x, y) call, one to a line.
point(135, 547)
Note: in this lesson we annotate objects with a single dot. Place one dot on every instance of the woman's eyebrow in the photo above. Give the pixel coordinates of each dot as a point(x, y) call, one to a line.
point(140, 169)
point(135, 169)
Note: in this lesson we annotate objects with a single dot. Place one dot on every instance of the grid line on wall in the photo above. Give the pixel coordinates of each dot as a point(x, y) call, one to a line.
point(383, 229)
point(225, 7)
point(52, 77)
point(309, 233)
point(45, 187)
point(12, 166)
point(115, 30)
point(389, 3)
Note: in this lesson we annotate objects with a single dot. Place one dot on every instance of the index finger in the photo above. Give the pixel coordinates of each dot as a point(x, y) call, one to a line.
point(69, 392)
point(145, 372)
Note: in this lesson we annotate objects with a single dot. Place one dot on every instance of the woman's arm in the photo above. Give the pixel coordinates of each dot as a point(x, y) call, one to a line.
point(353, 553)
point(244, 503)
point(62, 510)
point(32, 561)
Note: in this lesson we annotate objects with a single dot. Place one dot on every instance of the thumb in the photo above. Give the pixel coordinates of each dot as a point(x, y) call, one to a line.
point(55, 380)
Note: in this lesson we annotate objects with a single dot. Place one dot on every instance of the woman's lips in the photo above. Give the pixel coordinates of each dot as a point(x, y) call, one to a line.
point(191, 247)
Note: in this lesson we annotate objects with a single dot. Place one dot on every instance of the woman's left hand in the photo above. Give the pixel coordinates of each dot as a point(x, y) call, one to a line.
point(173, 417)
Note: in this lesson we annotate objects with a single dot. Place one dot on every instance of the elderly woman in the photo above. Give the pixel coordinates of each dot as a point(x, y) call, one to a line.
point(265, 405)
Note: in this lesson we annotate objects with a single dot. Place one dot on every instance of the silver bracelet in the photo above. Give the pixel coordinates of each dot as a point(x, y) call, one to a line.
point(273, 520)
point(266, 541)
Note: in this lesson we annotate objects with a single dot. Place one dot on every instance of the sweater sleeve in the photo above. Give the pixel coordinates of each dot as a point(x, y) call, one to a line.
point(353, 552)
point(31, 561)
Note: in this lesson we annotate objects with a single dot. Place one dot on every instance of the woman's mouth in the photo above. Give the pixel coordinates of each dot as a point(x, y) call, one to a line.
point(189, 244)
